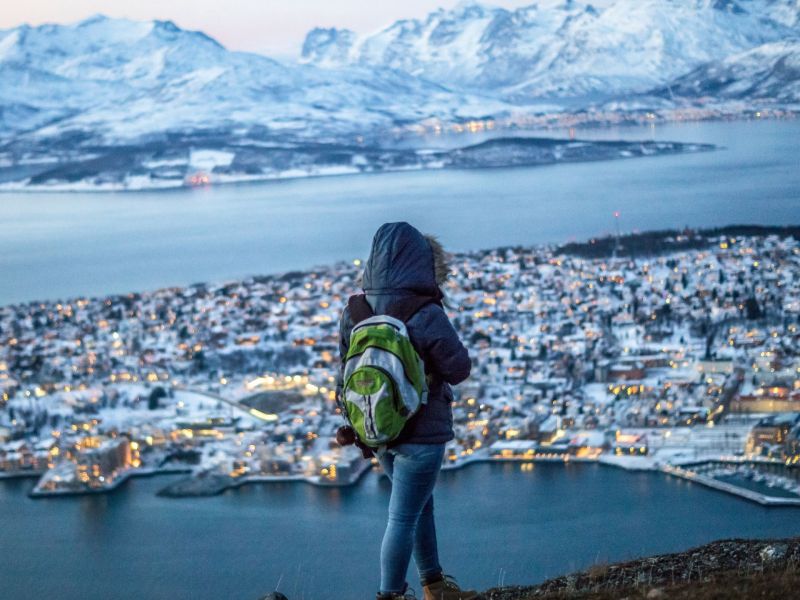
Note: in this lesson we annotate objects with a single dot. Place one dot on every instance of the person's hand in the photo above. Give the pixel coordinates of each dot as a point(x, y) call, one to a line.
point(366, 451)
point(345, 436)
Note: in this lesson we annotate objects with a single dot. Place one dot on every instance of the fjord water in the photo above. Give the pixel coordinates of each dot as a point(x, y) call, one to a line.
point(61, 245)
point(496, 524)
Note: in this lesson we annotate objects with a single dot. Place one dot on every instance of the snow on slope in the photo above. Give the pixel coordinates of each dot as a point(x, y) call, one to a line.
point(113, 81)
point(124, 80)
point(561, 48)
point(122, 104)
point(770, 71)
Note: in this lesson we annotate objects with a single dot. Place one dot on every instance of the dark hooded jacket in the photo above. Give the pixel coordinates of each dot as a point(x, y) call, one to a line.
point(401, 264)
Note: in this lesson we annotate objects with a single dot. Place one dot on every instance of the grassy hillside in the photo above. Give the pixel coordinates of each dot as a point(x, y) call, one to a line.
point(729, 569)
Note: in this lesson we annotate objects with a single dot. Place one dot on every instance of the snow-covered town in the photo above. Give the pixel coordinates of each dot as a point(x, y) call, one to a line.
point(687, 361)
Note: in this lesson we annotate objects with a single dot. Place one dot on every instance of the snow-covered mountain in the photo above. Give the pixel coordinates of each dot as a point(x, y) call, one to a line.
point(117, 80)
point(124, 104)
point(770, 71)
point(561, 48)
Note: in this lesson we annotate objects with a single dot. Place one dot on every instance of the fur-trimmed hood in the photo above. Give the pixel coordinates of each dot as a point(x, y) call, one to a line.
point(404, 260)
point(441, 260)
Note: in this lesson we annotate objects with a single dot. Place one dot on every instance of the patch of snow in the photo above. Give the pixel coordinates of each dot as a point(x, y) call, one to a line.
point(165, 162)
point(206, 160)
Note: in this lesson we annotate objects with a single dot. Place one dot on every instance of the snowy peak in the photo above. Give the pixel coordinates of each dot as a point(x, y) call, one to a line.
point(115, 81)
point(327, 46)
point(106, 49)
point(468, 9)
point(119, 54)
point(557, 48)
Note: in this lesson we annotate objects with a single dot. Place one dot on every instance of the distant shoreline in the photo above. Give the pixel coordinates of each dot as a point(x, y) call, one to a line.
point(645, 243)
point(653, 242)
point(99, 174)
point(542, 125)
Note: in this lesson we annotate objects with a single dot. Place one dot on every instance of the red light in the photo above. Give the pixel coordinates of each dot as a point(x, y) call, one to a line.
point(199, 180)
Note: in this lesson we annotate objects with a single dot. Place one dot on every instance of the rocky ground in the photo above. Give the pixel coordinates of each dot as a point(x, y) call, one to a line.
point(727, 569)
point(723, 570)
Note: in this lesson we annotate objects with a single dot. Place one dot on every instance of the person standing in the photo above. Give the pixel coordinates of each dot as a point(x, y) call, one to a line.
point(402, 278)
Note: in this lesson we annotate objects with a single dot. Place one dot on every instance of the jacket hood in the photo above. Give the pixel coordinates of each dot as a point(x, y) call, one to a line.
point(401, 259)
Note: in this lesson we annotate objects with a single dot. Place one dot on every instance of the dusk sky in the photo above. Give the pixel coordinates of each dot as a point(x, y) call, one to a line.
point(270, 26)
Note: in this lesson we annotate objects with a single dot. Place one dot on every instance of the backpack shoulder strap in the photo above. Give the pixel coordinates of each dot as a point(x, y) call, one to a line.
point(407, 307)
point(359, 308)
point(403, 309)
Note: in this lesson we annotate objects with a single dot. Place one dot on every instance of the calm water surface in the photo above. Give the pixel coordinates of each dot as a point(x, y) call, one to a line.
point(496, 523)
point(57, 245)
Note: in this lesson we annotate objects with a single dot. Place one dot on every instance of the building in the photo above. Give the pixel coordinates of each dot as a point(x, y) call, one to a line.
point(629, 444)
point(101, 460)
point(521, 449)
point(770, 434)
point(767, 398)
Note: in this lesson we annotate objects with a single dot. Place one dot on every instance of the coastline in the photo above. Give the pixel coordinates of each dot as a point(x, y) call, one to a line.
point(520, 151)
point(218, 487)
point(588, 120)
point(600, 246)
point(117, 482)
point(674, 455)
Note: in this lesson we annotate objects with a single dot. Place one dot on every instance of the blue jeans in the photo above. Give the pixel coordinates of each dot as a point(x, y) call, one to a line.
point(412, 469)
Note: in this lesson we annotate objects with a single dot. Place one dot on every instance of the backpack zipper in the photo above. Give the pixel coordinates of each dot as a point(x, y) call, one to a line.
point(370, 422)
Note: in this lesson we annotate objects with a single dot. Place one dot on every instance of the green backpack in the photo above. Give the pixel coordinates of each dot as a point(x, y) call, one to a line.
point(384, 378)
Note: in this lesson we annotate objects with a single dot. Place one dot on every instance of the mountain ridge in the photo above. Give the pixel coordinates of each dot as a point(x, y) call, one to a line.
point(770, 71)
point(107, 97)
point(157, 76)
point(556, 49)
point(118, 80)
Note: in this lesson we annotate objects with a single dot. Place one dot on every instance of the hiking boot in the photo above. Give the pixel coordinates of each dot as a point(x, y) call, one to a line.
point(447, 589)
